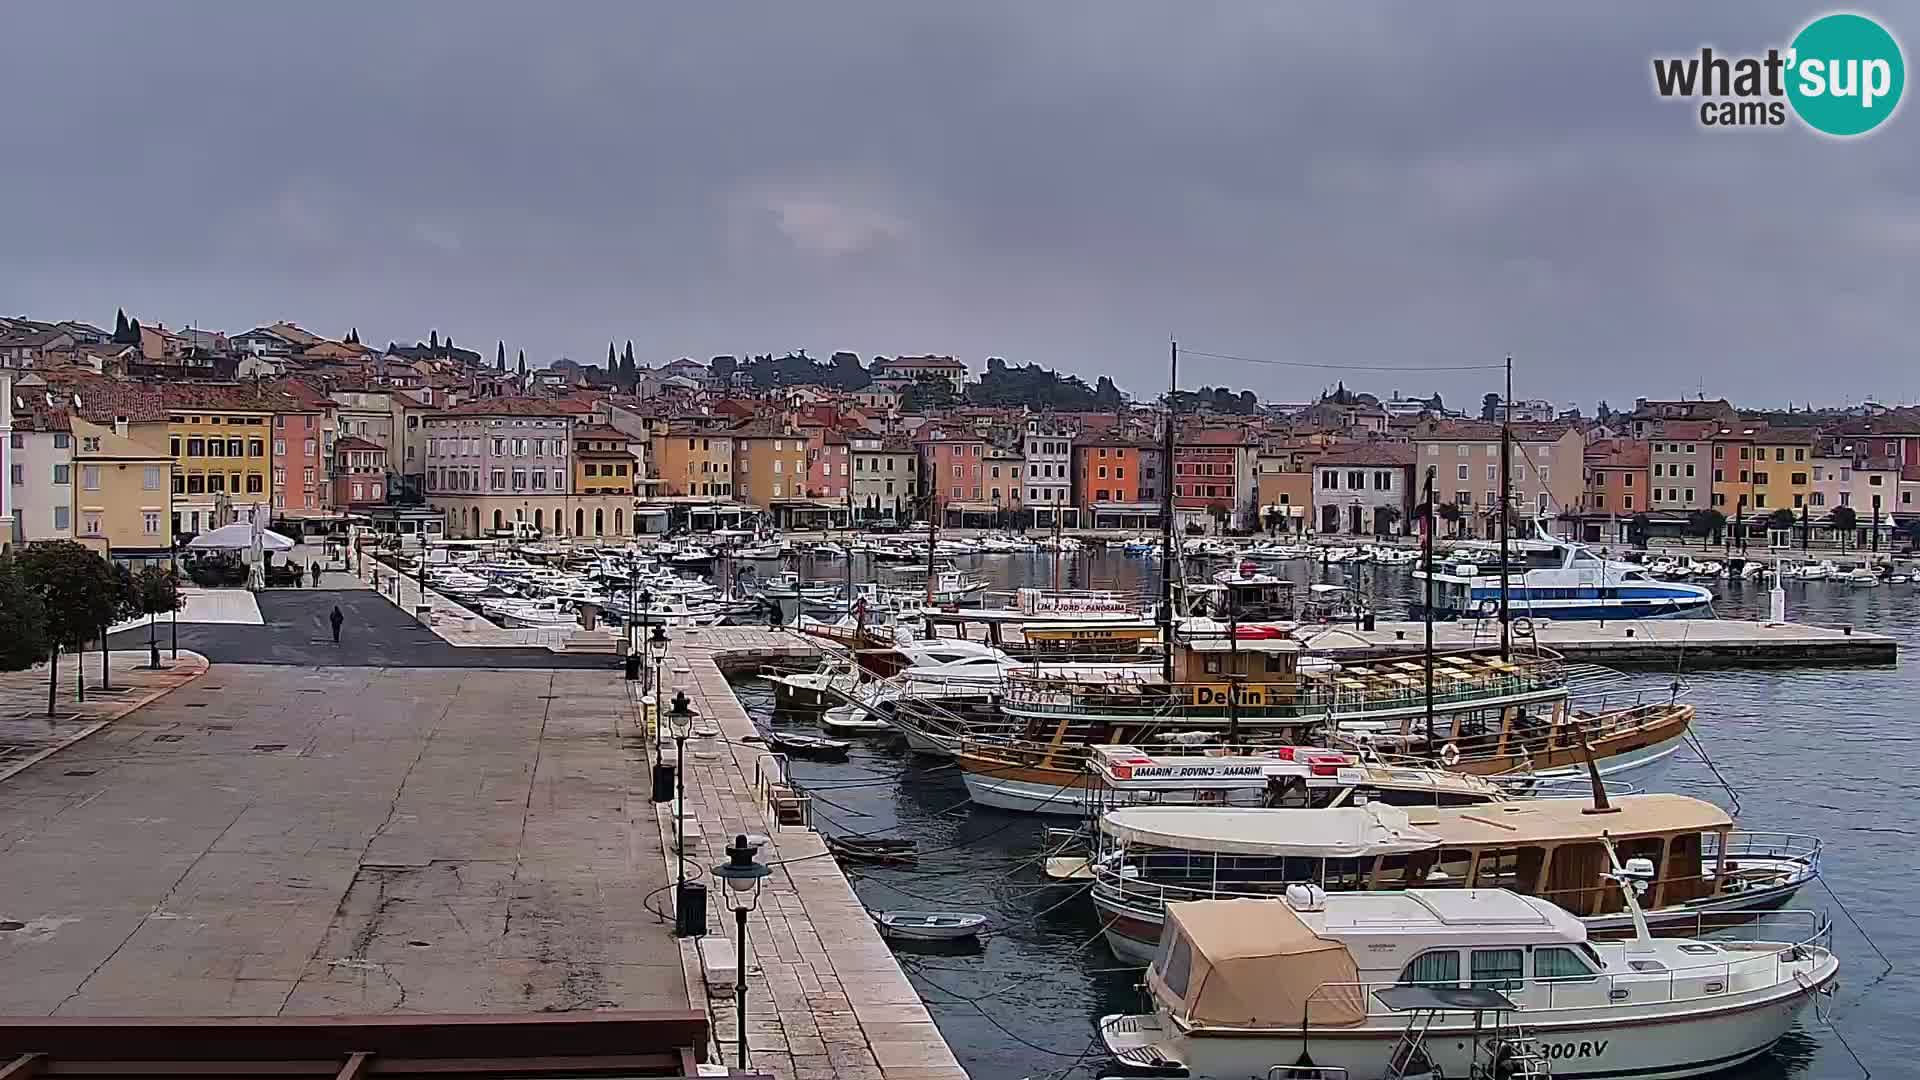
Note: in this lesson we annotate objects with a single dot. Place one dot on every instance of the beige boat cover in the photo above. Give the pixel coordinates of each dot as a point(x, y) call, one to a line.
point(1255, 964)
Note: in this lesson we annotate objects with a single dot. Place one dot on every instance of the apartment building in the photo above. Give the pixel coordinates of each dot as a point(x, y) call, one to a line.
point(1758, 469)
point(1549, 477)
point(952, 464)
point(219, 436)
point(694, 458)
point(603, 475)
point(121, 461)
point(1364, 490)
point(39, 470)
point(1214, 471)
point(1110, 480)
point(1047, 445)
point(1680, 454)
point(499, 460)
point(769, 463)
point(886, 475)
point(359, 473)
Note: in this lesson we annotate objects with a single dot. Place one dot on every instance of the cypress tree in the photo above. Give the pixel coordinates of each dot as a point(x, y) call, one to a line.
point(500, 356)
point(613, 365)
point(523, 363)
point(433, 340)
point(120, 326)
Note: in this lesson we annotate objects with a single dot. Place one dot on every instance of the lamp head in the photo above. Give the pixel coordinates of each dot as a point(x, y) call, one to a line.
point(681, 709)
point(742, 873)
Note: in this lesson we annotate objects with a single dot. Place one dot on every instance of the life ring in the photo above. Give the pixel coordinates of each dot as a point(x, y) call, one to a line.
point(1449, 755)
point(1523, 626)
point(1489, 608)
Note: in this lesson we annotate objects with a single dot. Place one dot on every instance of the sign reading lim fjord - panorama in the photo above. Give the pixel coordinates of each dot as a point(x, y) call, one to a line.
point(1842, 75)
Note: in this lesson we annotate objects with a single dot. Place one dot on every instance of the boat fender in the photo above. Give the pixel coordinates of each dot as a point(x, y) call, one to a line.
point(1450, 755)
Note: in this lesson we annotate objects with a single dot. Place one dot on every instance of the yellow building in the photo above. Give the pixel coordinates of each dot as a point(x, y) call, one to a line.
point(1759, 469)
point(694, 461)
point(121, 467)
point(603, 474)
point(769, 463)
point(220, 437)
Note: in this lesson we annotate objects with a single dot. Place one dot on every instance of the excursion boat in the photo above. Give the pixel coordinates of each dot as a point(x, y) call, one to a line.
point(1059, 638)
point(1246, 685)
point(1558, 579)
point(936, 706)
point(1285, 776)
point(1146, 857)
point(1457, 982)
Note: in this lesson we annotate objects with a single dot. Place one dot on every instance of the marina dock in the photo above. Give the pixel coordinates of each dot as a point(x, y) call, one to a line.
point(825, 997)
point(1678, 644)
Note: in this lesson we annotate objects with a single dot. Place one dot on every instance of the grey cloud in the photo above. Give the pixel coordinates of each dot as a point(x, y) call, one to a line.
point(1062, 183)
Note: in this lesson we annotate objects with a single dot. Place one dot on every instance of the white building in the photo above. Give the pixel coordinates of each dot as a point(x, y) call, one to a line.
point(39, 473)
point(1049, 471)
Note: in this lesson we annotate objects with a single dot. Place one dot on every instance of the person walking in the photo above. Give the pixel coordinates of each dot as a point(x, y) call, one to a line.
point(316, 573)
point(336, 619)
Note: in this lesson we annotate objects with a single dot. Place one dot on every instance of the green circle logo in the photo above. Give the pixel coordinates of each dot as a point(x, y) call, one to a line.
point(1845, 74)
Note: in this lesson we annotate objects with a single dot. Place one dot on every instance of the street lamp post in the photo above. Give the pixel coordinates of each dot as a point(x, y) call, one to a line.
point(742, 874)
point(681, 717)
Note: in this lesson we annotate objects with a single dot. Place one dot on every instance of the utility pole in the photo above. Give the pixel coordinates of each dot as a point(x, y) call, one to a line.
point(1506, 507)
point(1167, 554)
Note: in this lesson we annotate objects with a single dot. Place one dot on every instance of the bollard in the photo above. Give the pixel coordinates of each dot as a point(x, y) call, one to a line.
point(1399, 635)
point(1629, 631)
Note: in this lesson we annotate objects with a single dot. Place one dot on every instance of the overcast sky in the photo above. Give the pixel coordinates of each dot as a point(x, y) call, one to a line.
point(1413, 184)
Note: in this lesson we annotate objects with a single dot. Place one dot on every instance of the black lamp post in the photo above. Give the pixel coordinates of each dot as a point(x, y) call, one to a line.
point(742, 874)
point(681, 719)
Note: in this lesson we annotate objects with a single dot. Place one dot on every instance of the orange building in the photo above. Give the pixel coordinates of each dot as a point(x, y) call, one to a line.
point(1110, 481)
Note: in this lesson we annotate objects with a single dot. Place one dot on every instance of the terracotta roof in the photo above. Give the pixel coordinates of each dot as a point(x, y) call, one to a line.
point(1687, 429)
point(1761, 433)
point(599, 431)
point(1897, 422)
point(355, 442)
point(1116, 437)
point(102, 400)
point(507, 406)
point(761, 428)
point(1214, 437)
point(408, 401)
point(1375, 454)
point(1619, 454)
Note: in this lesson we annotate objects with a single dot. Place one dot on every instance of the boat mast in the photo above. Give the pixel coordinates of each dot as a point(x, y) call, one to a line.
point(1506, 505)
point(1167, 555)
point(849, 540)
point(933, 540)
point(1426, 557)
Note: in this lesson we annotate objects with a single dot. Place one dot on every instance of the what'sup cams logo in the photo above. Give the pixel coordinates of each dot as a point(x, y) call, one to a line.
point(1842, 76)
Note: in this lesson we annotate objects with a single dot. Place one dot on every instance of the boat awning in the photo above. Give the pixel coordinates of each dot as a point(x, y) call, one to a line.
point(1559, 821)
point(1253, 963)
point(1333, 833)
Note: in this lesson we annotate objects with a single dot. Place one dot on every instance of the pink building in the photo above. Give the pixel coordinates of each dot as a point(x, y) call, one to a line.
point(300, 456)
point(952, 465)
point(359, 473)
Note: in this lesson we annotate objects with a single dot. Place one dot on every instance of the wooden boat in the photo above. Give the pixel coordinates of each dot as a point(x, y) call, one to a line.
point(1146, 857)
point(929, 925)
point(873, 849)
point(803, 745)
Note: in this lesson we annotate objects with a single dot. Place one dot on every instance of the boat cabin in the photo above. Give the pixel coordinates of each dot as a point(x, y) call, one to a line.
point(1296, 777)
point(1549, 848)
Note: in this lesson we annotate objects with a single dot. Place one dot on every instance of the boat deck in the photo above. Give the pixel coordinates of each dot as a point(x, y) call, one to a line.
point(1667, 643)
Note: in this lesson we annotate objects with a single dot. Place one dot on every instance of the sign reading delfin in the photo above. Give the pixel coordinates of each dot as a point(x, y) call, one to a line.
point(1842, 76)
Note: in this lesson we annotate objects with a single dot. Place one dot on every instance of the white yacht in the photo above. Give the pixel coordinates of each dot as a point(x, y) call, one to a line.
point(1557, 579)
point(1456, 982)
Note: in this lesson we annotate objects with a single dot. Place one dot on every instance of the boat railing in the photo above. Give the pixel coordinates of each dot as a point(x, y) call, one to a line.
point(1794, 847)
point(1306, 699)
point(1307, 1072)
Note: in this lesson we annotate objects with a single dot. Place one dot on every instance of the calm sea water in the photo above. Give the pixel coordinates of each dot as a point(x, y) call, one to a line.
point(1818, 750)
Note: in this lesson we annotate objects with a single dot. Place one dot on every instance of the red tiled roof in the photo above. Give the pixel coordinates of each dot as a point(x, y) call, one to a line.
point(507, 406)
point(599, 431)
point(355, 442)
point(1687, 429)
point(1214, 437)
point(1375, 454)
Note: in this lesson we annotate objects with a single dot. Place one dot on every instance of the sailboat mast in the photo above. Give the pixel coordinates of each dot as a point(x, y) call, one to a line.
point(1166, 517)
point(1506, 506)
point(1426, 559)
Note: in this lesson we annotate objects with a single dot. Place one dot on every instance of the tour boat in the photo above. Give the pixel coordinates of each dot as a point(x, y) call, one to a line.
point(539, 614)
point(1251, 684)
point(1558, 579)
point(1458, 982)
point(1145, 857)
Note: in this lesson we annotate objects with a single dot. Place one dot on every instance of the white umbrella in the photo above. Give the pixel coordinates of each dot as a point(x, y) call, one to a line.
point(240, 536)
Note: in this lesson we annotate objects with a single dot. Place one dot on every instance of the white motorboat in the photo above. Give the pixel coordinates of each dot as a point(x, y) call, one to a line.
point(1861, 577)
point(1559, 579)
point(769, 549)
point(1458, 982)
point(813, 691)
point(947, 587)
point(546, 612)
point(929, 925)
point(827, 549)
point(788, 585)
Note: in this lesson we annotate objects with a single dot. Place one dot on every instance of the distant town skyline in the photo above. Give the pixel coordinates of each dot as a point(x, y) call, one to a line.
point(1068, 185)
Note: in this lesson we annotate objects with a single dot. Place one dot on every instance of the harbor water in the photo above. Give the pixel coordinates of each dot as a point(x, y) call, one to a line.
point(1819, 751)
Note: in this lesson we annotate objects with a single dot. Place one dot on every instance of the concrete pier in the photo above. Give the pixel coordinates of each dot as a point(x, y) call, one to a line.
point(825, 997)
point(1668, 643)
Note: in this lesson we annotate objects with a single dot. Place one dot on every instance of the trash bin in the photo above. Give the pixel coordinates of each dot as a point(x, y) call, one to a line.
point(662, 782)
point(633, 667)
point(690, 911)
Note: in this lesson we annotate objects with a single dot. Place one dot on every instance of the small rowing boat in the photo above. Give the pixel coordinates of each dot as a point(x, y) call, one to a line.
point(929, 925)
point(872, 849)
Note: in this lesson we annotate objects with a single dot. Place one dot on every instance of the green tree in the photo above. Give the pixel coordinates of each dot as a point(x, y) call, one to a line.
point(156, 589)
point(1705, 523)
point(1450, 513)
point(928, 392)
point(1639, 527)
point(613, 361)
point(23, 619)
point(1781, 519)
point(80, 595)
point(1843, 519)
point(1387, 518)
point(523, 363)
point(433, 340)
point(120, 326)
point(500, 356)
point(1490, 408)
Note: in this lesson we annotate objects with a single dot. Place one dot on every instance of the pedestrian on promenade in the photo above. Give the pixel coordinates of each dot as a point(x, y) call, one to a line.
point(316, 573)
point(336, 619)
